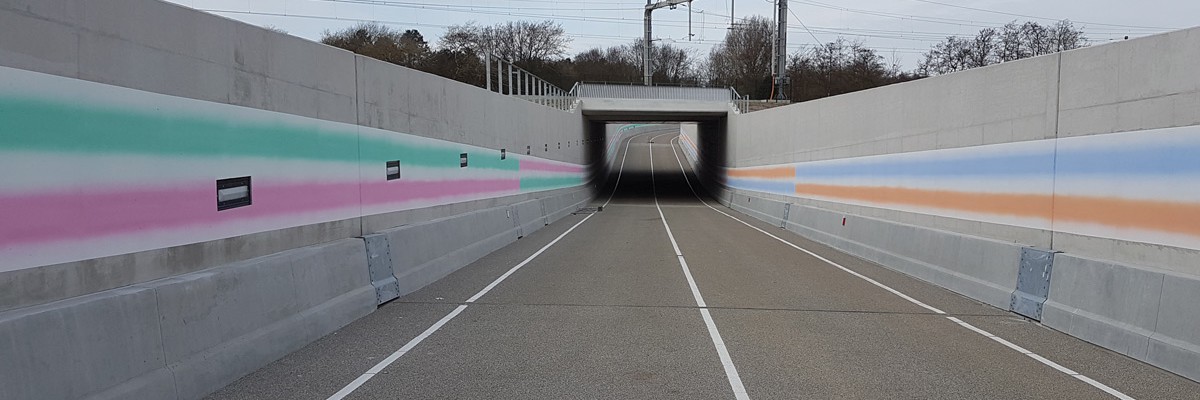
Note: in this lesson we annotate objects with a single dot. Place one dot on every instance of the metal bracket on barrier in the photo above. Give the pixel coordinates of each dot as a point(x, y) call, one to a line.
point(1033, 282)
point(516, 216)
point(379, 265)
point(545, 217)
point(787, 210)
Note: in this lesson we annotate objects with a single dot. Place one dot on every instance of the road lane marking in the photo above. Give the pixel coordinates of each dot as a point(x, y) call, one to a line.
point(620, 171)
point(379, 367)
point(417, 340)
point(960, 322)
point(735, 380)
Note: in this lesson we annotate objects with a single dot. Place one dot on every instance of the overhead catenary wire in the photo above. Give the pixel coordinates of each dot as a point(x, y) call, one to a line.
point(705, 42)
point(1037, 17)
point(535, 9)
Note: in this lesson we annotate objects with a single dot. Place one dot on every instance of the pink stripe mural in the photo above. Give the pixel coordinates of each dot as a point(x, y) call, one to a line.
point(303, 171)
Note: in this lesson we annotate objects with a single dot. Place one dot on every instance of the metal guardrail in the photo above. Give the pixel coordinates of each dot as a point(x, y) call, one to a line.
point(741, 104)
point(514, 81)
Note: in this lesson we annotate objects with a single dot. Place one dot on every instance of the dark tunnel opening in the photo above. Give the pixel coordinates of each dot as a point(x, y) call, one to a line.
point(636, 182)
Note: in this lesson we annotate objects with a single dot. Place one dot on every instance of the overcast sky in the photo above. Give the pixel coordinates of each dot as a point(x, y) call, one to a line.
point(898, 29)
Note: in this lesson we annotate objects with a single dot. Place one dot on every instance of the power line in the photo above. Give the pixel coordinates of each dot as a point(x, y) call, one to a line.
point(499, 10)
point(706, 42)
point(1037, 17)
point(810, 33)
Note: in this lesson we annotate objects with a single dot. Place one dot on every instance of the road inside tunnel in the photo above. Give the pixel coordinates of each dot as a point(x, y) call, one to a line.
point(666, 294)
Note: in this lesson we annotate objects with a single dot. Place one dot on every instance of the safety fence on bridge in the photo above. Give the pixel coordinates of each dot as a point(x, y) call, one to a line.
point(504, 77)
point(515, 81)
point(659, 92)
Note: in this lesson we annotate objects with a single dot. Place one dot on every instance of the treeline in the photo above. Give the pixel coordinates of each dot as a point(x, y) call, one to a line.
point(993, 46)
point(742, 60)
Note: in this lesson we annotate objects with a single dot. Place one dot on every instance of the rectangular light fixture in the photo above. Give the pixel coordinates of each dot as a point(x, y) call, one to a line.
point(462, 160)
point(503, 154)
point(393, 170)
point(233, 193)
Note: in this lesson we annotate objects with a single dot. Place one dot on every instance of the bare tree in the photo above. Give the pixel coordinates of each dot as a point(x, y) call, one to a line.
point(668, 63)
point(607, 65)
point(743, 59)
point(1066, 37)
point(839, 67)
point(520, 41)
point(990, 46)
point(381, 42)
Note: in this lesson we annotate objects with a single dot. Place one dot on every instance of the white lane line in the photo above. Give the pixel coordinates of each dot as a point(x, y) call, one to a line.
point(735, 380)
point(960, 322)
point(619, 171)
point(437, 325)
point(375, 370)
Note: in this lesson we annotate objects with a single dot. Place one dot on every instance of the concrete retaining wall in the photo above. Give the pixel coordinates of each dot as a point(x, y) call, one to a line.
point(119, 276)
point(1090, 153)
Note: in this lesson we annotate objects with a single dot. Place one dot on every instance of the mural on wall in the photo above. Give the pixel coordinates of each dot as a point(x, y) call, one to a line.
point(1138, 186)
point(92, 170)
point(687, 142)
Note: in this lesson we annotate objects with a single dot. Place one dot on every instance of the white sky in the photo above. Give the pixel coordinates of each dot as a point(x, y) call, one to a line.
point(898, 29)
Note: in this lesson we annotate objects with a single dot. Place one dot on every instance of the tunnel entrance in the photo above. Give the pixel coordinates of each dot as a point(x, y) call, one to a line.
point(700, 143)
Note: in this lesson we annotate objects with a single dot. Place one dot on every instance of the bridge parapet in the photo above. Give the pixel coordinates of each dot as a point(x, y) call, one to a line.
point(630, 91)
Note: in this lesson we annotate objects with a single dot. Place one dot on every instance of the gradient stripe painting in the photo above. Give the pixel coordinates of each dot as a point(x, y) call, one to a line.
point(1141, 186)
point(93, 170)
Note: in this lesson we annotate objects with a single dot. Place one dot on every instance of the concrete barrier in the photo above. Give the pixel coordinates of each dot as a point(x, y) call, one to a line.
point(976, 267)
point(530, 216)
point(1145, 314)
point(774, 212)
point(426, 252)
point(185, 336)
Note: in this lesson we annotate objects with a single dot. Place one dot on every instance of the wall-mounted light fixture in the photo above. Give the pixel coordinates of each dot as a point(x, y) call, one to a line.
point(233, 193)
point(503, 154)
point(462, 160)
point(393, 170)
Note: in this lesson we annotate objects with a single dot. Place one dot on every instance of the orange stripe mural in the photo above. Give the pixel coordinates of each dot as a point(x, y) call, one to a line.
point(764, 173)
point(1139, 186)
point(1017, 205)
point(1164, 216)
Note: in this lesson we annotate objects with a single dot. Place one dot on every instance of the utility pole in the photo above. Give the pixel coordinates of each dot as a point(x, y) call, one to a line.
point(650, 7)
point(781, 52)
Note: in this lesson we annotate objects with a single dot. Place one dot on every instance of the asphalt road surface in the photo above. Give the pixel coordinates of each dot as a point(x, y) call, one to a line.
point(663, 295)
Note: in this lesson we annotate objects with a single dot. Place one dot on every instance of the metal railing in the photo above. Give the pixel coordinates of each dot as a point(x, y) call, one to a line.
point(514, 81)
point(636, 91)
point(741, 104)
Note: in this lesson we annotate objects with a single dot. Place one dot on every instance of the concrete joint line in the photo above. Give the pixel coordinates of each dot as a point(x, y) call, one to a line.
point(1002, 341)
point(731, 373)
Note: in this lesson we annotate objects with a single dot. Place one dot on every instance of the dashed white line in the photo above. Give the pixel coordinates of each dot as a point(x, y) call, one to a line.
point(735, 380)
point(964, 324)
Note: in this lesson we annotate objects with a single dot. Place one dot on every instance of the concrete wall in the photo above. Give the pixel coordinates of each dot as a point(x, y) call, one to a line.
point(1090, 152)
point(119, 277)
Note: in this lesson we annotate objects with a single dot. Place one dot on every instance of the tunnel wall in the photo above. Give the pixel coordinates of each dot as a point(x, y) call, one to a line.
point(1089, 152)
point(119, 277)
